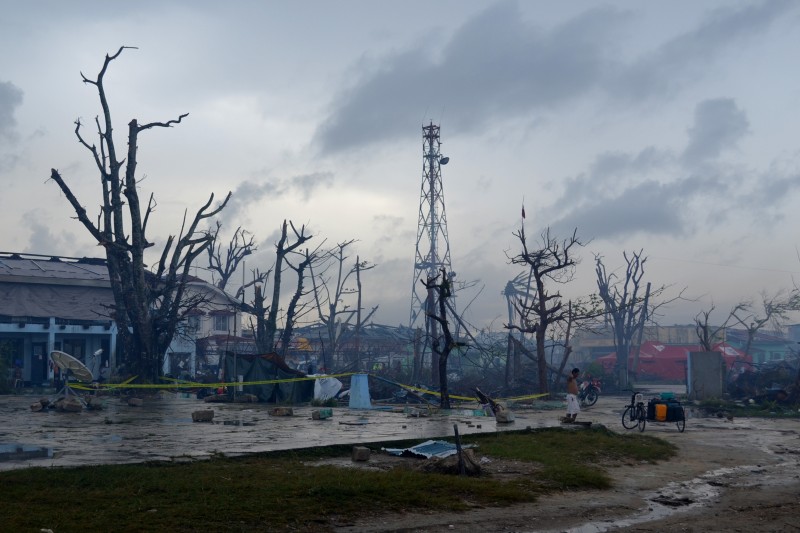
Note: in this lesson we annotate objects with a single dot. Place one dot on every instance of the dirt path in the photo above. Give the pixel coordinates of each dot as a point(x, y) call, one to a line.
point(729, 475)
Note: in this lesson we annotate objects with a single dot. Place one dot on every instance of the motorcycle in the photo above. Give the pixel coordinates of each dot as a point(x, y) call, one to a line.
point(589, 392)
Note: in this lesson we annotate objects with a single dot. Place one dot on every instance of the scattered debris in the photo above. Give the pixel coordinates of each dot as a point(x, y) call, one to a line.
point(216, 398)
point(469, 464)
point(93, 403)
point(427, 449)
point(246, 398)
point(281, 411)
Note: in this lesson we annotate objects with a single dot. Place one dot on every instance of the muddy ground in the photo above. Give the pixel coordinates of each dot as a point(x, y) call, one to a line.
point(730, 474)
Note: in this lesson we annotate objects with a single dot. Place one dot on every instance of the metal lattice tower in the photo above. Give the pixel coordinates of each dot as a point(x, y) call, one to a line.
point(433, 244)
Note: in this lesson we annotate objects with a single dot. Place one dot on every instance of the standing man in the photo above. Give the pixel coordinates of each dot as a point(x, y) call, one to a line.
point(573, 407)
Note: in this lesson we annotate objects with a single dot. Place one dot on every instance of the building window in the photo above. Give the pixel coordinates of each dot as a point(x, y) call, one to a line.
point(221, 322)
point(193, 322)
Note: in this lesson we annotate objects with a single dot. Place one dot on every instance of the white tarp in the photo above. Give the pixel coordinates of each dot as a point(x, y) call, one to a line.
point(326, 388)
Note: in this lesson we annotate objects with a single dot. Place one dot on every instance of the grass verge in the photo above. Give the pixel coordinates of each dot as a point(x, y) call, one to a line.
point(280, 491)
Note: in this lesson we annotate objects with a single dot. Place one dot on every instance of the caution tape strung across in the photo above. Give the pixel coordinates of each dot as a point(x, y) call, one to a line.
point(181, 384)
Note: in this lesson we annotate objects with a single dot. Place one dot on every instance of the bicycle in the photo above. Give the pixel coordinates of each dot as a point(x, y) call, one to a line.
point(635, 414)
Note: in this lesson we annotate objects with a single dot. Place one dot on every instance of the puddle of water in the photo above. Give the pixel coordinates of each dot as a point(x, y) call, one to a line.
point(107, 438)
point(22, 452)
point(170, 421)
point(675, 498)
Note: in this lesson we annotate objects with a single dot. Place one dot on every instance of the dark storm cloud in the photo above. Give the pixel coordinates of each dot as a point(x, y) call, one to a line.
point(718, 125)
point(650, 207)
point(497, 66)
point(605, 203)
point(687, 57)
point(771, 193)
point(612, 170)
point(250, 192)
point(10, 99)
point(308, 183)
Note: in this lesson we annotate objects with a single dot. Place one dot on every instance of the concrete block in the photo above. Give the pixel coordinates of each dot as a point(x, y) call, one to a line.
point(504, 417)
point(321, 414)
point(361, 453)
point(206, 415)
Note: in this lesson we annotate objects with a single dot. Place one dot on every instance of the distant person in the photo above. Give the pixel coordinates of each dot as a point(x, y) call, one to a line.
point(573, 406)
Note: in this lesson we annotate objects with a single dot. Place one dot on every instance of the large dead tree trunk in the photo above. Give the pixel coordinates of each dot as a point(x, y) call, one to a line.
point(442, 346)
point(148, 304)
point(266, 316)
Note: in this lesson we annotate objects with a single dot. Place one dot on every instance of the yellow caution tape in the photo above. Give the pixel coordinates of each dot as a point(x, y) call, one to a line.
point(181, 384)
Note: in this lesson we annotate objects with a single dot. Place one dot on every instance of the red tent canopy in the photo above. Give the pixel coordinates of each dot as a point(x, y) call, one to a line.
point(668, 361)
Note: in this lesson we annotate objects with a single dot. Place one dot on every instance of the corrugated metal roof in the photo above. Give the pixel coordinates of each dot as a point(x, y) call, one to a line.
point(43, 269)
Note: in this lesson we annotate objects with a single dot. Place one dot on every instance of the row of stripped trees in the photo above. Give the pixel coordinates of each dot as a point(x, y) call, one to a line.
point(322, 280)
point(623, 303)
point(773, 311)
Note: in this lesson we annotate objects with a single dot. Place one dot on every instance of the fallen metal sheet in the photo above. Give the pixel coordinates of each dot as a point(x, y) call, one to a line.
point(426, 450)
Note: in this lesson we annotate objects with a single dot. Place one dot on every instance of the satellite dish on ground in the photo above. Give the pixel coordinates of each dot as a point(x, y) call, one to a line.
point(72, 366)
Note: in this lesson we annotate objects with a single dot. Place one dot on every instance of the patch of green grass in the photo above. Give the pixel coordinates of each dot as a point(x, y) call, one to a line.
point(574, 459)
point(279, 491)
point(766, 409)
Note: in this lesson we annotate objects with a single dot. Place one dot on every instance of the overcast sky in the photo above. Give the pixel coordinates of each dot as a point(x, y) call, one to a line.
point(671, 127)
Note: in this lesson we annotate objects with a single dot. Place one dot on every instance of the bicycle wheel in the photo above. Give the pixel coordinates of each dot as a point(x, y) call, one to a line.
point(629, 420)
point(641, 417)
point(681, 423)
point(591, 397)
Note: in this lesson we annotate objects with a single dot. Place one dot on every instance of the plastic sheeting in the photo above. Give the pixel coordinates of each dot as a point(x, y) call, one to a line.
point(326, 388)
point(268, 367)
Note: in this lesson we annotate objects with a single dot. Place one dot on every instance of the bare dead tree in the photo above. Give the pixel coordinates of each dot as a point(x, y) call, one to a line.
point(225, 263)
point(443, 345)
point(707, 334)
point(628, 304)
point(774, 310)
point(296, 309)
point(582, 315)
point(330, 292)
point(552, 261)
point(148, 304)
point(266, 315)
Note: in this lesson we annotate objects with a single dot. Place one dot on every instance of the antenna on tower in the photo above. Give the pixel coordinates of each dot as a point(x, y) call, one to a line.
point(433, 243)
